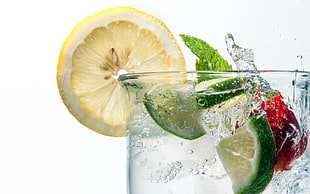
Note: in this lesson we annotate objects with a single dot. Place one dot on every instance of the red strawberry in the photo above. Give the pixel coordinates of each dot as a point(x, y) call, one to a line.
point(291, 141)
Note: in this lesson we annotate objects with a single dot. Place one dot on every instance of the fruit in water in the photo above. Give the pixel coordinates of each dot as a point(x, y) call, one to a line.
point(291, 140)
point(173, 107)
point(216, 91)
point(248, 156)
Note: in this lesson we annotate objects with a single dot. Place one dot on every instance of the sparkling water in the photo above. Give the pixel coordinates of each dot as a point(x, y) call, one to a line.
point(162, 163)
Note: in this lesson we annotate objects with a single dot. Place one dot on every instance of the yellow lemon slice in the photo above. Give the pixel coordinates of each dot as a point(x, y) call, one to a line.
point(98, 49)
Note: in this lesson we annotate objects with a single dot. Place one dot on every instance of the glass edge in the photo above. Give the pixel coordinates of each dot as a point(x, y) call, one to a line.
point(136, 75)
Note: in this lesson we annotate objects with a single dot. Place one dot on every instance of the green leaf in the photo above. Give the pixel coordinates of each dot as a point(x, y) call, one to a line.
point(208, 57)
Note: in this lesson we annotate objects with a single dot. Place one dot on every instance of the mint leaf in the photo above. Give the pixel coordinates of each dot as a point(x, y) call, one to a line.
point(208, 57)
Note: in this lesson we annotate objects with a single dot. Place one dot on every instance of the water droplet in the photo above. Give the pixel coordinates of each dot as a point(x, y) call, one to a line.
point(195, 172)
point(139, 144)
point(201, 102)
point(300, 58)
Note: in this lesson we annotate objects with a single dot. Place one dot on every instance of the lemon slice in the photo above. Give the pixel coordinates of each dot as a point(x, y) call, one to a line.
point(101, 47)
point(249, 156)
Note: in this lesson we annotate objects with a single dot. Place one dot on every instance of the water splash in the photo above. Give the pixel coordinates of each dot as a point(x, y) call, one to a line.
point(300, 58)
point(243, 57)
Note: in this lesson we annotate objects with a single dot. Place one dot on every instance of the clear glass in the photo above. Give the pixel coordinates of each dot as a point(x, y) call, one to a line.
point(160, 162)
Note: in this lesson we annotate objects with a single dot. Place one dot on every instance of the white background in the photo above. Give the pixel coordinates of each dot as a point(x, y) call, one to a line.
point(43, 149)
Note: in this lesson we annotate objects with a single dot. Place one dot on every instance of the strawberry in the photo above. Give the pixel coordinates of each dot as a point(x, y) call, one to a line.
point(291, 140)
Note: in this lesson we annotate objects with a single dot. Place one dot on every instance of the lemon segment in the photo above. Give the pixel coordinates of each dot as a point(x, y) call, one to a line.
point(98, 48)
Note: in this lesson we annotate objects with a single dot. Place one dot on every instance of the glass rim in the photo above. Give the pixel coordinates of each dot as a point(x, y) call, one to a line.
point(136, 75)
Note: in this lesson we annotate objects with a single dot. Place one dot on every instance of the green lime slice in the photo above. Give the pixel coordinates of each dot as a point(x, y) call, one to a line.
point(216, 91)
point(248, 156)
point(174, 108)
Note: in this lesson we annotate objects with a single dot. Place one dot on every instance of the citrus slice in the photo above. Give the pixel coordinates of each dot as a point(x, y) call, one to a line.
point(248, 156)
point(100, 48)
point(216, 91)
point(173, 107)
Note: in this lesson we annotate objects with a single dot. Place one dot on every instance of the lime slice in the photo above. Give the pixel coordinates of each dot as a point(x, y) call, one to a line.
point(174, 108)
point(248, 156)
point(216, 91)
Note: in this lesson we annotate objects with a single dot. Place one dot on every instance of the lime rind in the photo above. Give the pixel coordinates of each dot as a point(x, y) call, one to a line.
point(208, 100)
point(201, 86)
point(173, 107)
point(262, 162)
point(265, 158)
point(227, 84)
point(213, 92)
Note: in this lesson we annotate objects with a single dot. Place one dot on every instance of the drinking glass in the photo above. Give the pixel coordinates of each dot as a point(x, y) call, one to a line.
point(178, 120)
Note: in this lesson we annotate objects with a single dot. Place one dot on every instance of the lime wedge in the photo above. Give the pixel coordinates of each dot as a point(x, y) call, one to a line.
point(174, 108)
point(216, 91)
point(248, 156)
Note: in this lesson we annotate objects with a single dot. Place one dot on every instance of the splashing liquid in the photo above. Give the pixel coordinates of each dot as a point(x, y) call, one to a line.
point(296, 180)
point(244, 60)
point(300, 58)
point(243, 57)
